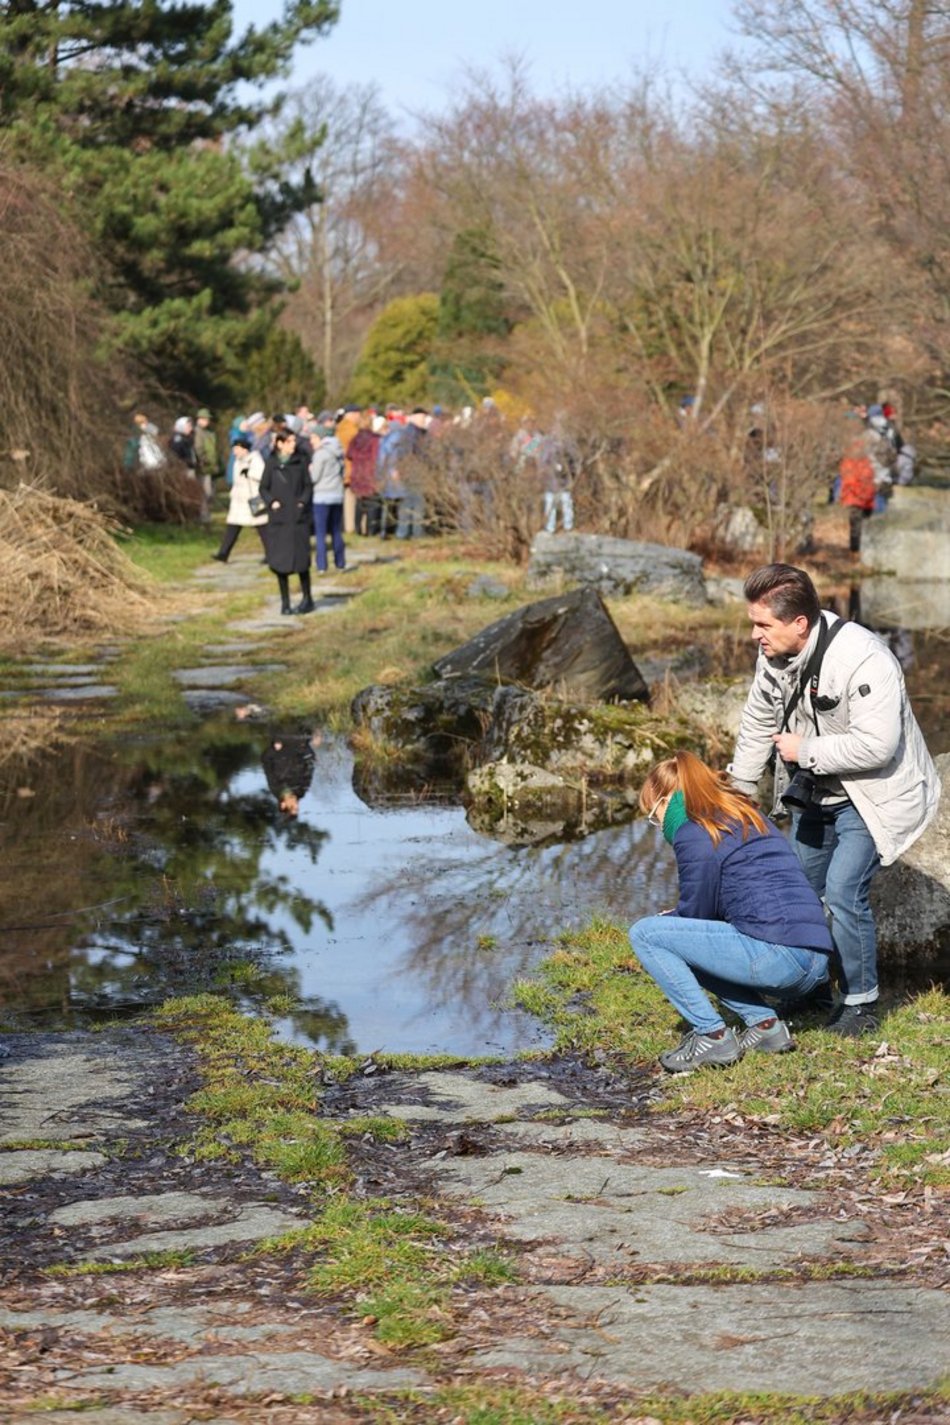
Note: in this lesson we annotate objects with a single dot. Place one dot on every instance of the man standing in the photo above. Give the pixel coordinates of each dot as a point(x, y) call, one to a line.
point(829, 698)
point(206, 453)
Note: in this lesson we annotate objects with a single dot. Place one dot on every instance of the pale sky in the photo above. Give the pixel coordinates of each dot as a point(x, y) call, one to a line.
point(416, 50)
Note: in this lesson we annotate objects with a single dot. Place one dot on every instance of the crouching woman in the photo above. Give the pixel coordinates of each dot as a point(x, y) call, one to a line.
point(747, 923)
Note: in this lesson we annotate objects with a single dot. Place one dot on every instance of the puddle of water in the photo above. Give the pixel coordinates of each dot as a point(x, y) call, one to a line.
point(132, 872)
point(396, 928)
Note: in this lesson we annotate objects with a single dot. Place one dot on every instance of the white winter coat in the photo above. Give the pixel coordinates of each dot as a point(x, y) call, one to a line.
point(868, 738)
point(248, 470)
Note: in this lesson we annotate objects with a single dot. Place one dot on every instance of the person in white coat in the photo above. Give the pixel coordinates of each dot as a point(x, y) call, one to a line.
point(248, 468)
point(828, 703)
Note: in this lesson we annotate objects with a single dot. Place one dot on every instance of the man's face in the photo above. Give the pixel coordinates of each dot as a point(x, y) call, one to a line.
point(775, 638)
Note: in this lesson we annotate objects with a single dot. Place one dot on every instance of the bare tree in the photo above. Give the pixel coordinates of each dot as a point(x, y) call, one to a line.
point(330, 254)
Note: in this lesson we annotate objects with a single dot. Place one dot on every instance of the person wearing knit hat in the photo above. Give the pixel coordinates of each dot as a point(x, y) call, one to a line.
point(207, 460)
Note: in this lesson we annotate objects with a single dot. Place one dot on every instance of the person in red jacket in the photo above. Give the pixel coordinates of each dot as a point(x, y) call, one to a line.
point(362, 455)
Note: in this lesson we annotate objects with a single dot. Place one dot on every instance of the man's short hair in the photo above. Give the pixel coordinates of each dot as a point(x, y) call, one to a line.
point(787, 591)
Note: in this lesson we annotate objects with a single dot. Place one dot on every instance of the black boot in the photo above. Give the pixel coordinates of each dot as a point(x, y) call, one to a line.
point(306, 605)
point(283, 583)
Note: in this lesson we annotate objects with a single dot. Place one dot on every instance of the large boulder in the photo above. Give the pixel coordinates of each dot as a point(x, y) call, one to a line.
point(888, 603)
point(912, 538)
point(617, 566)
point(436, 723)
point(568, 645)
point(911, 899)
point(575, 741)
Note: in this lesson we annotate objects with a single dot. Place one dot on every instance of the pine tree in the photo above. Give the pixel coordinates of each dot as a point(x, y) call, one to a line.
point(472, 320)
point(394, 362)
point(280, 376)
point(134, 110)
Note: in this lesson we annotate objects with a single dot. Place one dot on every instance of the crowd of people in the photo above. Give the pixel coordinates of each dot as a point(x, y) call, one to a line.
point(376, 453)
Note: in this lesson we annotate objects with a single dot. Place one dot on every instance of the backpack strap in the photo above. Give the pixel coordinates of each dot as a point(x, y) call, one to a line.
point(812, 670)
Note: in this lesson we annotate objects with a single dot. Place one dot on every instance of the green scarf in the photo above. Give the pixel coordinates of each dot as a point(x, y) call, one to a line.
point(675, 816)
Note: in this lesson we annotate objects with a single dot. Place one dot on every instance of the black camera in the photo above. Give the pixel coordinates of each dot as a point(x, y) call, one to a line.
point(802, 790)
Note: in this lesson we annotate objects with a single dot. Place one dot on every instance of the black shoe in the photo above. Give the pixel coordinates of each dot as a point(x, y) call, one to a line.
point(306, 606)
point(221, 558)
point(850, 1021)
point(286, 609)
point(820, 1001)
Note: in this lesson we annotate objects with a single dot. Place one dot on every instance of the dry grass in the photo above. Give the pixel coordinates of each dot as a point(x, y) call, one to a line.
point(62, 573)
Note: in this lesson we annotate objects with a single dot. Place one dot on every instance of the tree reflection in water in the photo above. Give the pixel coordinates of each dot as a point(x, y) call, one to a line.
point(141, 870)
point(171, 866)
point(473, 926)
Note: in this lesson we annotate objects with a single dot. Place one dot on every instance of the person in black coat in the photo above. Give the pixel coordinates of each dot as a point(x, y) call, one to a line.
point(288, 766)
point(288, 494)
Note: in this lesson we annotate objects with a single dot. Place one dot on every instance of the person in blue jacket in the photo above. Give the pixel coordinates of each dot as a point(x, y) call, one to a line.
point(747, 923)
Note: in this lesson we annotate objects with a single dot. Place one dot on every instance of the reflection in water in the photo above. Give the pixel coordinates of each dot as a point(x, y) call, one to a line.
point(144, 871)
point(134, 871)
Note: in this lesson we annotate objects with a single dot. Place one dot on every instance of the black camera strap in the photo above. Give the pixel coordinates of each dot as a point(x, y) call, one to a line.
point(812, 670)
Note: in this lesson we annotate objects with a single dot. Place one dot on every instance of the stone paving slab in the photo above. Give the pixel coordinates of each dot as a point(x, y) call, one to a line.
point(289, 1373)
point(579, 1133)
point(189, 1325)
point(88, 692)
point(460, 1099)
point(115, 1415)
point(211, 700)
point(61, 670)
point(244, 1222)
point(21, 1166)
point(67, 1093)
point(620, 1213)
point(219, 675)
point(816, 1339)
point(229, 650)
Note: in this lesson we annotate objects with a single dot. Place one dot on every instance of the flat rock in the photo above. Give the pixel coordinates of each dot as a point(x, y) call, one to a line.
point(455, 1098)
point(71, 1093)
point(225, 651)
point(116, 1415)
point(211, 700)
point(617, 566)
point(606, 1211)
point(26, 1164)
point(824, 1338)
point(62, 670)
point(912, 538)
point(87, 692)
point(223, 675)
point(286, 1373)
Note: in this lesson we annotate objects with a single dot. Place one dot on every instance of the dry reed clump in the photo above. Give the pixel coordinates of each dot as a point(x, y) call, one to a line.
point(61, 572)
point(29, 735)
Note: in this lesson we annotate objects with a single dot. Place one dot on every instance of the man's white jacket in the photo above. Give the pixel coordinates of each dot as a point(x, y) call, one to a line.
point(867, 735)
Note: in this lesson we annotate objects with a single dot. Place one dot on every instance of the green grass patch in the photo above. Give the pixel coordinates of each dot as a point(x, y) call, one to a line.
point(38, 1145)
point(890, 1091)
point(148, 1261)
point(259, 1099)
point(169, 553)
point(495, 1404)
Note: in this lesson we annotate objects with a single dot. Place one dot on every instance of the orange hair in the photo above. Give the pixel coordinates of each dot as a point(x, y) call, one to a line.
point(711, 800)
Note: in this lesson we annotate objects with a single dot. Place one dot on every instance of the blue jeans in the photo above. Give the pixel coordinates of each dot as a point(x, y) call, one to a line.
point(554, 500)
point(839, 858)
point(688, 957)
point(328, 520)
point(411, 508)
